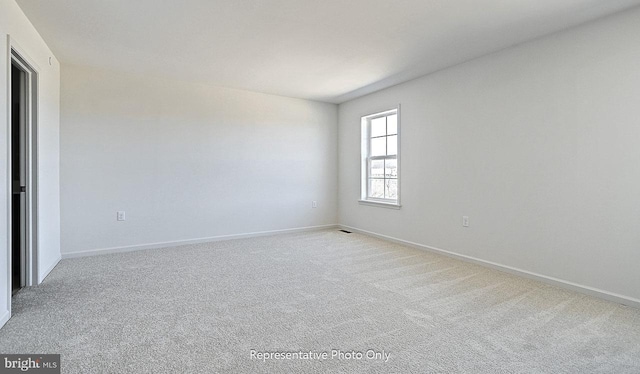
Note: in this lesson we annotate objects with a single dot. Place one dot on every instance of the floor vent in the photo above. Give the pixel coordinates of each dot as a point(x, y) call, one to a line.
point(346, 232)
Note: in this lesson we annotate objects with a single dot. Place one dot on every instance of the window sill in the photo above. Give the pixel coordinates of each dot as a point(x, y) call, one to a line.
point(380, 204)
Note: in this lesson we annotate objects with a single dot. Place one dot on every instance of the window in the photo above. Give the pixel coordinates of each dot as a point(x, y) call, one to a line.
point(380, 158)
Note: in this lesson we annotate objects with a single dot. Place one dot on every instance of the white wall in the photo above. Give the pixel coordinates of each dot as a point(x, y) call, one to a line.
point(539, 144)
point(188, 161)
point(15, 23)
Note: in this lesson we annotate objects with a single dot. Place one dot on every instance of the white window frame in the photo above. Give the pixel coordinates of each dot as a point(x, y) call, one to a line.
point(365, 158)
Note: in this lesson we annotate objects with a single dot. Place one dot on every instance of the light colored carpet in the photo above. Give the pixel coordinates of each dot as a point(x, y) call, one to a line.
point(202, 308)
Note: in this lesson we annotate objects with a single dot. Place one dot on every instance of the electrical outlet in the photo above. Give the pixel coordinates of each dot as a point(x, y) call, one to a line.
point(314, 204)
point(465, 221)
point(121, 215)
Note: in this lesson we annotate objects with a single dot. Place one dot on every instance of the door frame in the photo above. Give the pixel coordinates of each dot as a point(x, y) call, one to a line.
point(17, 55)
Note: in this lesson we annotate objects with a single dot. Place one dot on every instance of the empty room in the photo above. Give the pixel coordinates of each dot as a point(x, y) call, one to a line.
point(297, 186)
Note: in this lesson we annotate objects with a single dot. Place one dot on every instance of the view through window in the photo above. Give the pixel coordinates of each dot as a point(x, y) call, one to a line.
point(380, 157)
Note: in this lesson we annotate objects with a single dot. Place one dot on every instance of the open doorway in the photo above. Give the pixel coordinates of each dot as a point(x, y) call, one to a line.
point(22, 169)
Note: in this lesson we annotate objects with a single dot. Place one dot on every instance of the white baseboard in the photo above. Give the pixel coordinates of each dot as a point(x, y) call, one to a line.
point(4, 318)
point(46, 272)
point(94, 252)
point(610, 296)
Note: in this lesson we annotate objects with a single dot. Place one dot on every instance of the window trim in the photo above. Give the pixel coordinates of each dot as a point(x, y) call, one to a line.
point(365, 131)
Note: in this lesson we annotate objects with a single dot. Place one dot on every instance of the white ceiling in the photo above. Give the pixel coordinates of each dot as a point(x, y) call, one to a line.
point(327, 50)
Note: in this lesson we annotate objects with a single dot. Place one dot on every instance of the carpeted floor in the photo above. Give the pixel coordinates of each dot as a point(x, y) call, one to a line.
point(204, 308)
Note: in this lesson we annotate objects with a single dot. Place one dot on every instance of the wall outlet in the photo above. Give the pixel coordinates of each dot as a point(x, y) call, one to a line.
point(465, 221)
point(314, 204)
point(121, 215)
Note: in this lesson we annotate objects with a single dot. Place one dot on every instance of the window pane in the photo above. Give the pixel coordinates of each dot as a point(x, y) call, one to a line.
point(391, 189)
point(390, 168)
point(392, 145)
point(376, 188)
point(376, 169)
point(392, 124)
point(379, 127)
point(378, 146)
